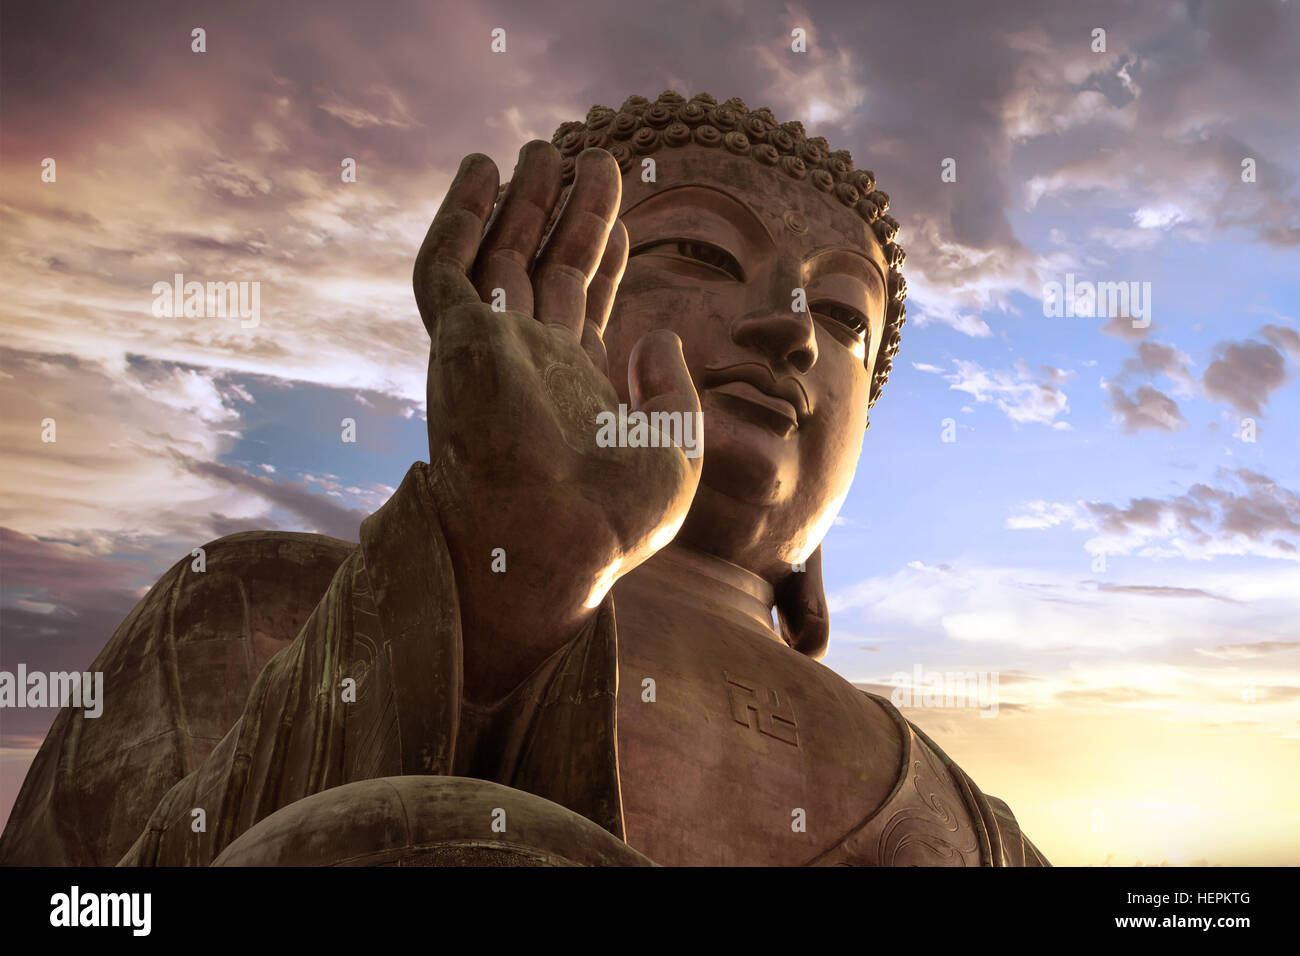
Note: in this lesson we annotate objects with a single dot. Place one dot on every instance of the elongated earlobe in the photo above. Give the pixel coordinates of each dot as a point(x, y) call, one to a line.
point(801, 609)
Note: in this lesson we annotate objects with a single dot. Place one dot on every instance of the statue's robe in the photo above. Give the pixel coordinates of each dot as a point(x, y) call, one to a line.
point(371, 687)
point(177, 673)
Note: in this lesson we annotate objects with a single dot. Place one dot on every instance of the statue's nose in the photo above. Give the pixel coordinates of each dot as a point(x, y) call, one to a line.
point(782, 327)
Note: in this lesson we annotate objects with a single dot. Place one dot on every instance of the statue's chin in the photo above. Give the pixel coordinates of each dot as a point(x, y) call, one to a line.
point(748, 464)
point(427, 821)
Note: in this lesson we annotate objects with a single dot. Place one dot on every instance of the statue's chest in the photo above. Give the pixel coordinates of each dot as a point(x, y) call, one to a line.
point(733, 749)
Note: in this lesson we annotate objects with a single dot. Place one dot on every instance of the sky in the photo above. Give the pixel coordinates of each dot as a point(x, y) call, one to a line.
point(1104, 517)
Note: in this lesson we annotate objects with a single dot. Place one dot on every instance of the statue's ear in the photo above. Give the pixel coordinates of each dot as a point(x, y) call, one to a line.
point(801, 609)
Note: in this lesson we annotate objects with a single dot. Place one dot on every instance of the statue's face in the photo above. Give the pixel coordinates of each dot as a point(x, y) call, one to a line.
point(719, 244)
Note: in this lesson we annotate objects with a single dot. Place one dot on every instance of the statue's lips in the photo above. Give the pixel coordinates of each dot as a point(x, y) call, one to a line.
point(787, 417)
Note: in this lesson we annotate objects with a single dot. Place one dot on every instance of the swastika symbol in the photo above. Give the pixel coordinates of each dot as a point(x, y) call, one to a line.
point(774, 711)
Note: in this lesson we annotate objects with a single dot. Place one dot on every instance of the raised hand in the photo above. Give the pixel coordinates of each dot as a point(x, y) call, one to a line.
point(517, 387)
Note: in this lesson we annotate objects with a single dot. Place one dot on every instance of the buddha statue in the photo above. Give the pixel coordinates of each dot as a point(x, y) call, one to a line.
point(549, 649)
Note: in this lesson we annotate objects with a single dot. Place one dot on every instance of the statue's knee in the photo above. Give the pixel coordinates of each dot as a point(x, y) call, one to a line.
point(427, 821)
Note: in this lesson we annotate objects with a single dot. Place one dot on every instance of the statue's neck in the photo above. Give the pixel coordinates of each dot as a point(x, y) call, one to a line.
point(688, 576)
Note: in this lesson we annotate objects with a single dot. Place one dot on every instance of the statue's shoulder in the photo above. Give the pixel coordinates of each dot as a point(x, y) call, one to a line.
point(243, 596)
point(259, 551)
point(216, 617)
point(177, 673)
point(935, 816)
point(1002, 843)
point(264, 576)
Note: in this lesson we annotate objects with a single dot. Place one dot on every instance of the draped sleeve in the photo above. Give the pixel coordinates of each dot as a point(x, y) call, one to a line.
point(372, 688)
point(177, 673)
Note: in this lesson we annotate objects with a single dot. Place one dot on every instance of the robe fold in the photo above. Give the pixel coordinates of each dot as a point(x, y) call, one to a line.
point(371, 687)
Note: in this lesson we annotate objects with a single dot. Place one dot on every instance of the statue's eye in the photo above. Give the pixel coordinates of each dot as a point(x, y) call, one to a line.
point(693, 250)
point(849, 318)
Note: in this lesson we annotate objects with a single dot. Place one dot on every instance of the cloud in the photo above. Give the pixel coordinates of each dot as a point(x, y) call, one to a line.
point(1010, 611)
point(136, 457)
point(1043, 514)
point(1111, 695)
point(1148, 408)
point(1153, 358)
point(387, 109)
point(1282, 337)
point(1249, 514)
point(320, 513)
point(1017, 394)
point(58, 570)
point(1056, 376)
point(1126, 154)
point(1250, 651)
point(1122, 327)
point(1160, 591)
point(1258, 517)
point(107, 472)
point(1244, 374)
point(60, 602)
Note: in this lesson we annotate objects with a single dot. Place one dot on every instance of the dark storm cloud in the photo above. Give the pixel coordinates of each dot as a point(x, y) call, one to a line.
point(291, 88)
point(58, 605)
point(390, 83)
point(58, 571)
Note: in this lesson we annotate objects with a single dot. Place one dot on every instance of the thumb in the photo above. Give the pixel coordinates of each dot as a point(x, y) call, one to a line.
point(657, 377)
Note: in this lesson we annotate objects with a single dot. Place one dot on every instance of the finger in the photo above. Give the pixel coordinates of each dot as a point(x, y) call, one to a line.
point(441, 267)
point(657, 376)
point(512, 238)
point(603, 286)
point(577, 243)
point(594, 346)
